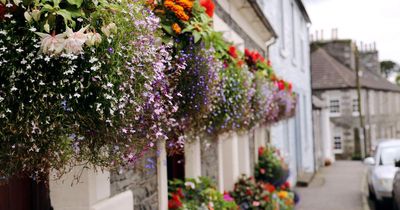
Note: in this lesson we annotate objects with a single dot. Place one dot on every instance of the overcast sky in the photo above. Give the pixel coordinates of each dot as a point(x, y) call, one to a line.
point(360, 20)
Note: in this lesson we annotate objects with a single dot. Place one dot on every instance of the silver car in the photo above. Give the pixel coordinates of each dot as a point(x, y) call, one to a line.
point(396, 188)
point(381, 169)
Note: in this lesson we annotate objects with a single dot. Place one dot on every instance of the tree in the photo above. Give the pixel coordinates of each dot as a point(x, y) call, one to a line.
point(388, 67)
point(398, 80)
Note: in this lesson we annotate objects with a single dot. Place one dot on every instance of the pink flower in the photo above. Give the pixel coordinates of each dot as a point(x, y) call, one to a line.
point(256, 203)
point(51, 44)
point(227, 197)
point(75, 40)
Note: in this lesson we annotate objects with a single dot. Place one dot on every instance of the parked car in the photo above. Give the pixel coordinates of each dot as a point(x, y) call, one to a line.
point(396, 188)
point(381, 170)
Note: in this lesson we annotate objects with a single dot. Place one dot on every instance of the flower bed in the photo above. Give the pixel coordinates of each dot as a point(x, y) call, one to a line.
point(199, 193)
point(269, 188)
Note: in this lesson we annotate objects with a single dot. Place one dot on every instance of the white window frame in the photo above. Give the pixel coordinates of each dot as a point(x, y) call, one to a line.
point(334, 114)
point(337, 135)
point(354, 103)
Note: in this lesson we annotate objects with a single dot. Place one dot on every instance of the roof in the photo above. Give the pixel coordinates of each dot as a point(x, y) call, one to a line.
point(303, 10)
point(328, 73)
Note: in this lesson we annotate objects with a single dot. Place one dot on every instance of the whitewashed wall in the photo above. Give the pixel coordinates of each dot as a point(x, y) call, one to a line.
point(290, 57)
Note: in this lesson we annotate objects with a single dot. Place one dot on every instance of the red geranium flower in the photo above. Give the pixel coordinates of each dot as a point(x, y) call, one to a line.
point(290, 87)
point(269, 187)
point(174, 202)
point(209, 6)
point(232, 51)
point(180, 193)
point(249, 192)
point(281, 85)
point(269, 63)
point(260, 151)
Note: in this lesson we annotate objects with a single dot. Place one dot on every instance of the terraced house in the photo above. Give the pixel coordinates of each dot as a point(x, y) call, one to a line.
point(334, 85)
point(144, 135)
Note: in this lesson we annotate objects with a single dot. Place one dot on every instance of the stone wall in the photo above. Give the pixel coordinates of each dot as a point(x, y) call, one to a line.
point(341, 50)
point(209, 159)
point(141, 180)
point(369, 60)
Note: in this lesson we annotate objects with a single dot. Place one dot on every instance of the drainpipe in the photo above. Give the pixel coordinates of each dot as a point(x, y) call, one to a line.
point(269, 43)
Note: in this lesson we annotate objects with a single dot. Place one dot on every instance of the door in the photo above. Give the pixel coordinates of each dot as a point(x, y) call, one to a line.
point(23, 193)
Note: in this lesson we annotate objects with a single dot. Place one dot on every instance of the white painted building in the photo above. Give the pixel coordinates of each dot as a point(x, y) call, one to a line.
point(290, 57)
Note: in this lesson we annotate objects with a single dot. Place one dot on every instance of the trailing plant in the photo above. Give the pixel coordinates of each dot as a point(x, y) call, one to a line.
point(75, 89)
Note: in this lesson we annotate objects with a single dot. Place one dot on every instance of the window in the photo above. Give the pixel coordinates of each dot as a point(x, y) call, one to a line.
point(334, 106)
point(337, 141)
point(355, 105)
point(293, 31)
point(283, 41)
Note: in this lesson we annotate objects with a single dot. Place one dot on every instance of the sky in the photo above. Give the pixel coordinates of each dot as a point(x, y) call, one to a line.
point(361, 20)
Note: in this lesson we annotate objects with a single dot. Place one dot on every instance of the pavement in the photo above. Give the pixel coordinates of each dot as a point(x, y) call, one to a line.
point(340, 186)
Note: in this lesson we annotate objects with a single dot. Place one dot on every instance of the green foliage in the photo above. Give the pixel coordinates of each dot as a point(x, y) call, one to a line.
point(270, 167)
point(388, 67)
point(198, 194)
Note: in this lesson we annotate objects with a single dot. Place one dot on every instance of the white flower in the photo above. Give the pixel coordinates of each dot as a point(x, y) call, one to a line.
point(35, 14)
point(93, 39)
point(93, 59)
point(75, 40)
point(8, 15)
point(33, 29)
point(52, 44)
point(108, 29)
point(190, 184)
point(3, 32)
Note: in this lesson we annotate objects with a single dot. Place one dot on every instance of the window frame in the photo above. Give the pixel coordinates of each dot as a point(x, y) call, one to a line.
point(337, 134)
point(338, 113)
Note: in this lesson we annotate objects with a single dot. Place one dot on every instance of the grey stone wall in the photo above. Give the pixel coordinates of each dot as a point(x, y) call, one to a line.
point(341, 50)
point(386, 123)
point(141, 180)
point(209, 159)
point(369, 60)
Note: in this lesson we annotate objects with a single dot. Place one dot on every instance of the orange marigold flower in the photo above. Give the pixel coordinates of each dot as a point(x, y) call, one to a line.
point(177, 29)
point(187, 4)
point(169, 4)
point(180, 13)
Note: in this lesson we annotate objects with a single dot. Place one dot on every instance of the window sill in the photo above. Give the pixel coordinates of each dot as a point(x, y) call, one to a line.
point(283, 53)
point(335, 114)
point(294, 63)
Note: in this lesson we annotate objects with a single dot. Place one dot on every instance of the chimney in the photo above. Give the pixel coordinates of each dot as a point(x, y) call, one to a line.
point(369, 59)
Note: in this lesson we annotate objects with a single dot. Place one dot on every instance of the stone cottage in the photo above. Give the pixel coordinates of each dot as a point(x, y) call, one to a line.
point(333, 64)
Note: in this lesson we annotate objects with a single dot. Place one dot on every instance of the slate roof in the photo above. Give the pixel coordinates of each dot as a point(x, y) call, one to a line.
point(328, 73)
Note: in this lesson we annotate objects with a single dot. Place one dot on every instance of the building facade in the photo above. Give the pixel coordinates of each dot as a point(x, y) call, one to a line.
point(290, 57)
point(225, 158)
point(334, 81)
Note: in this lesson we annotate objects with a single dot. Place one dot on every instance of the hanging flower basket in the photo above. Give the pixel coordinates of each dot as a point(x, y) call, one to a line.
point(82, 82)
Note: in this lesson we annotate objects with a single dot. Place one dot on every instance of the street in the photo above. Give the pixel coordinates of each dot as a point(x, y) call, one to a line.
point(337, 187)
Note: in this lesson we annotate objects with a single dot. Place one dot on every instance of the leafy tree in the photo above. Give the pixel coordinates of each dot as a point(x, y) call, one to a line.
point(388, 67)
point(398, 80)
